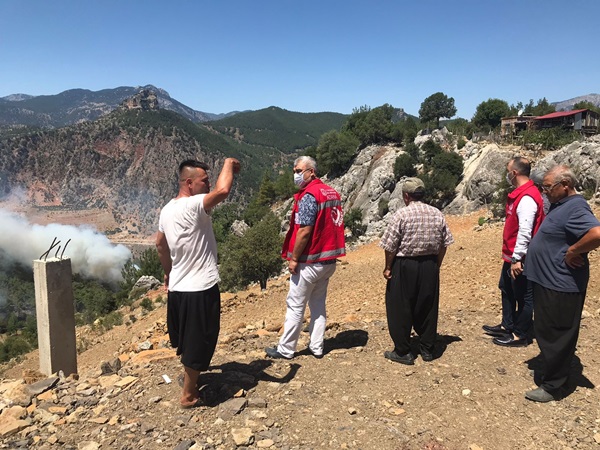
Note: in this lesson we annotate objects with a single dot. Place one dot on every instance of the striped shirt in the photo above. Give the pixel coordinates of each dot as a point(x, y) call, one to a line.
point(417, 230)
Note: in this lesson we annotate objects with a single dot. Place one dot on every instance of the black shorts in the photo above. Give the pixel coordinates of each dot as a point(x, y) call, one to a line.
point(193, 321)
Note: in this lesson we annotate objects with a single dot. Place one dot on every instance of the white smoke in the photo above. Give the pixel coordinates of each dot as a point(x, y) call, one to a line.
point(91, 253)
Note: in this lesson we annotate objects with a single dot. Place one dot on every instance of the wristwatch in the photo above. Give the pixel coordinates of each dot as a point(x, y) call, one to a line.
point(514, 260)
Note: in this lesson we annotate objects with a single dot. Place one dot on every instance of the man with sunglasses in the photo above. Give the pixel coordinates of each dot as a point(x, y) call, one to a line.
point(524, 214)
point(558, 267)
point(313, 242)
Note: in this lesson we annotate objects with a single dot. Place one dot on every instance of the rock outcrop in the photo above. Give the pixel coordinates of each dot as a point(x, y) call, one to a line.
point(369, 181)
point(370, 186)
point(145, 100)
point(483, 171)
point(584, 158)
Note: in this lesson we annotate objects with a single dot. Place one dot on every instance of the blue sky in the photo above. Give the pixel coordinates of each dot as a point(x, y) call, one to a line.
point(308, 56)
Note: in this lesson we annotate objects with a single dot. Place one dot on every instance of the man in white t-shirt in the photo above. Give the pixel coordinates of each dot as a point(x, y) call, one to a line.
point(188, 254)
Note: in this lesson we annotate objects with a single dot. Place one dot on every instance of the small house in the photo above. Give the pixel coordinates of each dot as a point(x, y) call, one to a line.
point(584, 120)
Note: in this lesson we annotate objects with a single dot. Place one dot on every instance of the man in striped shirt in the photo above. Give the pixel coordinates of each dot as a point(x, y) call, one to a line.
point(415, 243)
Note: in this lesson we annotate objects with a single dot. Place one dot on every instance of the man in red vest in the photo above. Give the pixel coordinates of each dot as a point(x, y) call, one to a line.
point(524, 214)
point(313, 242)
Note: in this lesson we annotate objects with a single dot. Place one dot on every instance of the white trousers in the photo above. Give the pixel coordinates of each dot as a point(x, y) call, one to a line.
point(307, 286)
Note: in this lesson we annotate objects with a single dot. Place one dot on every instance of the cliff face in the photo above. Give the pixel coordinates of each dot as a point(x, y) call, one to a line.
point(370, 181)
point(130, 171)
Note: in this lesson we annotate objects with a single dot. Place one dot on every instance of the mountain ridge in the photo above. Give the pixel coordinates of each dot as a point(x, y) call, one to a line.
point(78, 105)
point(568, 104)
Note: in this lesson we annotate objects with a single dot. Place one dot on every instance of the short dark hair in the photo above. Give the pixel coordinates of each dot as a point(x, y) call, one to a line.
point(521, 165)
point(192, 163)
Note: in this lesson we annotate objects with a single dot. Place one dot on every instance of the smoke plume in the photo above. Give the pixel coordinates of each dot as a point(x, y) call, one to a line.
point(91, 253)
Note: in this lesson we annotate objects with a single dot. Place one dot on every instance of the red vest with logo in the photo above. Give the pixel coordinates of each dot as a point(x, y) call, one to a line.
point(327, 238)
point(511, 226)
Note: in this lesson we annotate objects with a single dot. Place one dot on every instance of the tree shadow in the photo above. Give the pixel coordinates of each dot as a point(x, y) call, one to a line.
point(576, 377)
point(441, 344)
point(225, 381)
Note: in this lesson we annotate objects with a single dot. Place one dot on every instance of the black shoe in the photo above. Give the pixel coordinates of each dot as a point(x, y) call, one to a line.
point(407, 359)
point(509, 341)
point(539, 395)
point(496, 330)
point(427, 356)
point(273, 353)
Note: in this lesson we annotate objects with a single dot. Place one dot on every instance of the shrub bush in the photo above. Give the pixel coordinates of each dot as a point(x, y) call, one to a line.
point(404, 166)
point(146, 304)
point(383, 207)
point(13, 346)
point(353, 221)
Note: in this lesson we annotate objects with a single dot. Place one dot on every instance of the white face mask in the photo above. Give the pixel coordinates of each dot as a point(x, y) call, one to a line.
point(509, 179)
point(299, 179)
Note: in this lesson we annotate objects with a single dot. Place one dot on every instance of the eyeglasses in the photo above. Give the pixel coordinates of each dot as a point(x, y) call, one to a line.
point(549, 188)
point(298, 171)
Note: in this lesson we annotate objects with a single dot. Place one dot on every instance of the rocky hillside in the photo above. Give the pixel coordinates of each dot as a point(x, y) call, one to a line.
point(80, 105)
point(471, 397)
point(370, 183)
point(124, 163)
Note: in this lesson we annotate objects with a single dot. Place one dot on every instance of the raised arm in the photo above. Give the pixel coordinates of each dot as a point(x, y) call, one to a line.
point(231, 166)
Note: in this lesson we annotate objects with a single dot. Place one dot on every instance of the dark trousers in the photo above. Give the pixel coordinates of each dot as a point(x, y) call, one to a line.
point(412, 301)
point(557, 319)
point(193, 321)
point(517, 302)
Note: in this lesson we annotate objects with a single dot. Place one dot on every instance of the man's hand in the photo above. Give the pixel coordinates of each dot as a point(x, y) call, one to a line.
point(166, 278)
point(293, 266)
point(387, 274)
point(516, 269)
point(574, 260)
point(235, 165)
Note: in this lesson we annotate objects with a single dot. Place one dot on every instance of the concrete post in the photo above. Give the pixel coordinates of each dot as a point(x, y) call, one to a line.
point(55, 315)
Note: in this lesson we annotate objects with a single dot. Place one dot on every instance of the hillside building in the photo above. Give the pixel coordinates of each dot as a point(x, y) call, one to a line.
point(583, 120)
point(517, 124)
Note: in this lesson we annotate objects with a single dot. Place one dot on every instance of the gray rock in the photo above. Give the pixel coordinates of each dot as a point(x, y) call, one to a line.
point(146, 345)
point(146, 282)
point(369, 180)
point(242, 436)
point(184, 445)
point(110, 367)
point(483, 172)
point(231, 407)
point(42, 385)
point(239, 228)
point(257, 402)
point(88, 445)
